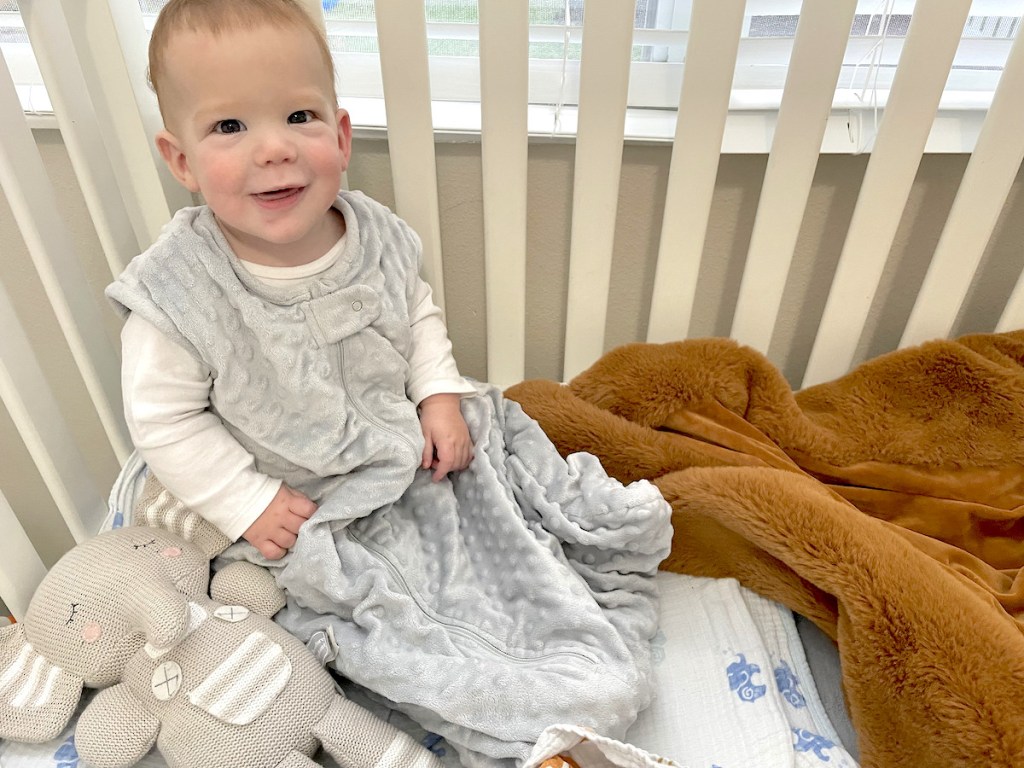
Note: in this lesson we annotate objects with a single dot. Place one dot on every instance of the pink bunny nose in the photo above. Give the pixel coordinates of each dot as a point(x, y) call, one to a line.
point(92, 632)
point(171, 552)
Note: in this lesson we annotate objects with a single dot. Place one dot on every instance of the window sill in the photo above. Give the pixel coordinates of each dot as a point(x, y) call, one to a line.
point(749, 127)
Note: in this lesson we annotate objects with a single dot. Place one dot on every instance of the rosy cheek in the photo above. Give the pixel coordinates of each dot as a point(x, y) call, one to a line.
point(171, 552)
point(92, 632)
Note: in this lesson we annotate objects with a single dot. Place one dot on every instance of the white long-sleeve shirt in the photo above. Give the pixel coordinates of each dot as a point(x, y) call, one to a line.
point(167, 406)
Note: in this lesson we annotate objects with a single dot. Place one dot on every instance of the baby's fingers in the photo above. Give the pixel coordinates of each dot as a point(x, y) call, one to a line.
point(428, 453)
point(270, 550)
point(445, 462)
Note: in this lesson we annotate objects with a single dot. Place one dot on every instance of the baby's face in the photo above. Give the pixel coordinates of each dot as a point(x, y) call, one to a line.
point(255, 128)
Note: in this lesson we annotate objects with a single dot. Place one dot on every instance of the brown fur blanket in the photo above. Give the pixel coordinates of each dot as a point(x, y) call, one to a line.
point(886, 506)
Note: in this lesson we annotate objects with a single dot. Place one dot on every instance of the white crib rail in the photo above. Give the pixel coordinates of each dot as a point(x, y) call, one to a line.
point(710, 62)
point(504, 79)
point(23, 569)
point(806, 103)
point(401, 30)
point(93, 63)
point(986, 183)
point(604, 80)
point(924, 66)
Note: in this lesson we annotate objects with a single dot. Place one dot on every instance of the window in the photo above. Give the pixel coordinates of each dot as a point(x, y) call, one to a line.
point(17, 52)
point(658, 58)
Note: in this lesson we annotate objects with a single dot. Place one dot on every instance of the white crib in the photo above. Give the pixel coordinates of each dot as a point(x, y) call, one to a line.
point(547, 245)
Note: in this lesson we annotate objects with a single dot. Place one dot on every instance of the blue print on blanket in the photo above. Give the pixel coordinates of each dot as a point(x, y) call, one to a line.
point(434, 743)
point(808, 741)
point(789, 685)
point(658, 647)
point(741, 679)
point(66, 755)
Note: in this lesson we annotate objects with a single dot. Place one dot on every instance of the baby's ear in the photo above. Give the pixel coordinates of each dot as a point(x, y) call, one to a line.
point(37, 698)
point(157, 508)
point(174, 156)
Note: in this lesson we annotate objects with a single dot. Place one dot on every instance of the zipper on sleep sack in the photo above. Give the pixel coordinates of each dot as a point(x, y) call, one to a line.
point(359, 406)
point(457, 628)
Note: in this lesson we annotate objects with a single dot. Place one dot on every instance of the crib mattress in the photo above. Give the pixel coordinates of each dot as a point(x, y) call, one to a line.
point(733, 687)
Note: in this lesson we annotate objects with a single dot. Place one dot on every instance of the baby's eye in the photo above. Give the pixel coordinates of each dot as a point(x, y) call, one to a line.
point(228, 126)
point(74, 610)
point(302, 116)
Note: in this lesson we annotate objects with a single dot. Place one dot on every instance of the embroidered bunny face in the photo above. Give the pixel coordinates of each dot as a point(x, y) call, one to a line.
point(91, 610)
point(209, 681)
point(102, 602)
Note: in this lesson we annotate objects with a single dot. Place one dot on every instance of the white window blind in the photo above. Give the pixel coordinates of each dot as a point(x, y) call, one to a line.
point(17, 52)
point(660, 39)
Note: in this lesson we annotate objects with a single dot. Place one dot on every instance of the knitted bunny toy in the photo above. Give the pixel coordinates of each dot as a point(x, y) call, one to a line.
point(210, 681)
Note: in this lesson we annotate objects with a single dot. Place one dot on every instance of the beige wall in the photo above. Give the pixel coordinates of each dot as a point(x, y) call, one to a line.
point(638, 225)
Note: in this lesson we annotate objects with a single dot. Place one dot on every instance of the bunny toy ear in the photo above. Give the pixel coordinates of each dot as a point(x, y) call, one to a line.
point(157, 508)
point(37, 698)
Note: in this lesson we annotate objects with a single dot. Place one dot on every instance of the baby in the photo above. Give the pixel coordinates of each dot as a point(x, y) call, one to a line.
point(278, 342)
point(279, 337)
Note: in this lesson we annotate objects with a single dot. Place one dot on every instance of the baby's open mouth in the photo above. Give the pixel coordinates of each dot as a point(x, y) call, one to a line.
point(279, 194)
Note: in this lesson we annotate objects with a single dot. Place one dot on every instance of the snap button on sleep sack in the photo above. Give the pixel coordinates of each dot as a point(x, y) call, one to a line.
point(357, 305)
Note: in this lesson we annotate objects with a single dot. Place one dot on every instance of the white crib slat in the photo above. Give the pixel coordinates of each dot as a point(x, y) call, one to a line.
point(81, 129)
point(402, 35)
point(35, 414)
point(504, 78)
point(818, 49)
point(1012, 318)
point(703, 106)
point(33, 203)
point(112, 46)
point(931, 43)
point(604, 82)
point(986, 182)
point(21, 569)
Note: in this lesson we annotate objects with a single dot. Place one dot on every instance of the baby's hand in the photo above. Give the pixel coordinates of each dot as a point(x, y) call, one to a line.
point(277, 528)
point(446, 443)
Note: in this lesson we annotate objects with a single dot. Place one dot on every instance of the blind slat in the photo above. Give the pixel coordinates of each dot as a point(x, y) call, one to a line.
point(504, 70)
point(927, 56)
point(703, 106)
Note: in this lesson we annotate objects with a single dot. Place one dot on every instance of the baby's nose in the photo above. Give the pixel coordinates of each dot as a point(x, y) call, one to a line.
point(274, 146)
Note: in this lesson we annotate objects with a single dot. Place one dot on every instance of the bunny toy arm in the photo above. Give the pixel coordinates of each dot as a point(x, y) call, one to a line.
point(115, 730)
point(248, 584)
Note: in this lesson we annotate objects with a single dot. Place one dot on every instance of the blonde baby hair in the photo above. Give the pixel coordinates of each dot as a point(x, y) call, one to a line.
point(218, 16)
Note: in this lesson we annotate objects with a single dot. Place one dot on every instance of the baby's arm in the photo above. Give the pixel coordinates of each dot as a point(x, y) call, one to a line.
point(186, 445)
point(436, 386)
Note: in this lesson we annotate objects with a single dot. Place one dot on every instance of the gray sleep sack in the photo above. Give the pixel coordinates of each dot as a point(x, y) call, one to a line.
point(511, 596)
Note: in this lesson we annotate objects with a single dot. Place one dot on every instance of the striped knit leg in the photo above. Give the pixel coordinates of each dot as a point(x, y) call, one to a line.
point(356, 738)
